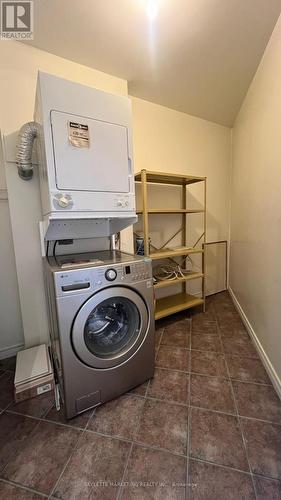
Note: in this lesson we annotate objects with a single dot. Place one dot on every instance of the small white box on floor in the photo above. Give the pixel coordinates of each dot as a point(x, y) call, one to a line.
point(34, 373)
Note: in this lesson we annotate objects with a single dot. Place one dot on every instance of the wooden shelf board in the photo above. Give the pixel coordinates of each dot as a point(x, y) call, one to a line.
point(164, 254)
point(175, 303)
point(172, 211)
point(189, 277)
point(165, 178)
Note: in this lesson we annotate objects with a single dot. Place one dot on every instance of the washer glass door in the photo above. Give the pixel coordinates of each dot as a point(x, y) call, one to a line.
point(112, 326)
point(109, 327)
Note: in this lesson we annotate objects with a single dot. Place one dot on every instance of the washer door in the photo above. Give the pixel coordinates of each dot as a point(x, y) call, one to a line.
point(110, 327)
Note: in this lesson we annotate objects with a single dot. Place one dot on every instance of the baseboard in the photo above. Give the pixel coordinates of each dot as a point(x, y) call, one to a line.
point(263, 356)
point(8, 352)
point(213, 292)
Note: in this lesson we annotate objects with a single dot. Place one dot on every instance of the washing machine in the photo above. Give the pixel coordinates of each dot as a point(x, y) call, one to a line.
point(102, 325)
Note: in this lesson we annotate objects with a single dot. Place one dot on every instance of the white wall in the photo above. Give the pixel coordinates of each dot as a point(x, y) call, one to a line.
point(255, 269)
point(169, 141)
point(11, 331)
point(19, 67)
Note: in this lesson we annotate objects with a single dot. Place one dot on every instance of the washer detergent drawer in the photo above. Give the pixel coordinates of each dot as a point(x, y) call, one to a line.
point(90, 155)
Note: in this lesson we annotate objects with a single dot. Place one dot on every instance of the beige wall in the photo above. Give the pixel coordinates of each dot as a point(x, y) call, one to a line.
point(170, 141)
point(255, 268)
point(19, 66)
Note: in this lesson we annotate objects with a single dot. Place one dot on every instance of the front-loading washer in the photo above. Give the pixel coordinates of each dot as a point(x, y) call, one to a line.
point(102, 325)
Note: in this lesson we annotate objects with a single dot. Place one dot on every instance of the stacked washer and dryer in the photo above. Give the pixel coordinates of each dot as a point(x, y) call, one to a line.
point(100, 303)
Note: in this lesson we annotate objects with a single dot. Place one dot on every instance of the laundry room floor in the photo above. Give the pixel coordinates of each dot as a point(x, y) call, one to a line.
point(207, 427)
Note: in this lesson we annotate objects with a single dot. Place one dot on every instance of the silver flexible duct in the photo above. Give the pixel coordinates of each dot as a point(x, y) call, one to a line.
point(27, 135)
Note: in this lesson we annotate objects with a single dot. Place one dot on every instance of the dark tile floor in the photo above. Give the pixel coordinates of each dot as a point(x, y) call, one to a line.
point(207, 427)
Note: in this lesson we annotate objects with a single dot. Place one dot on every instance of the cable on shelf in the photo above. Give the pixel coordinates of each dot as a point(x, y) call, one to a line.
point(170, 272)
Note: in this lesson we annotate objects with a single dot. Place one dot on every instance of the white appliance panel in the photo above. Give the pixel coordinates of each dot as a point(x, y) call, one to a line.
point(102, 164)
point(85, 158)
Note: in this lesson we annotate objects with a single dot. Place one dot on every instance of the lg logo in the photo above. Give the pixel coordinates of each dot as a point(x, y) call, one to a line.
point(17, 20)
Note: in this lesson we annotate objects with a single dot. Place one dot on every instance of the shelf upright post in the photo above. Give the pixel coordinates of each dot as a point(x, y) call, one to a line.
point(145, 213)
point(183, 238)
point(204, 246)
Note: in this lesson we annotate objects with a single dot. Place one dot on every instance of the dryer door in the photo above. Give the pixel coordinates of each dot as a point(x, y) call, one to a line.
point(110, 327)
point(89, 163)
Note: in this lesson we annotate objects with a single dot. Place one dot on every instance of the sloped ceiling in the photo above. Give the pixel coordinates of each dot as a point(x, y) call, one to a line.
point(195, 56)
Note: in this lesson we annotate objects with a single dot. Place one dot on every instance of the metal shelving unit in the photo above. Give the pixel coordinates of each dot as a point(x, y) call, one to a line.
point(180, 301)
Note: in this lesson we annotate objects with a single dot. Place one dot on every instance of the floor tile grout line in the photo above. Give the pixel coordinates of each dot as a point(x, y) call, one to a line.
point(155, 357)
point(235, 404)
point(256, 474)
point(169, 402)
point(235, 415)
point(121, 438)
point(70, 456)
point(120, 492)
point(175, 346)
point(110, 436)
point(203, 408)
point(233, 379)
point(120, 489)
point(134, 441)
point(241, 431)
point(250, 381)
point(187, 495)
point(172, 370)
point(51, 407)
point(146, 391)
point(6, 372)
point(90, 418)
point(44, 419)
point(247, 455)
point(159, 343)
point(236, 409)
point(259, 420)
point(36, 425)
point(22, 487)
point(180, 348)
point(222, 466)
point(210, 375)
point(233, 355)
point(204, 332)
point(135, 435)
point(7, 407)
point(158, 448)
point(225, 353)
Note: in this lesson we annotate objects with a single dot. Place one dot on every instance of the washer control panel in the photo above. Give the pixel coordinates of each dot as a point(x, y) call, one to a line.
point(92, 278)
point(137, 271)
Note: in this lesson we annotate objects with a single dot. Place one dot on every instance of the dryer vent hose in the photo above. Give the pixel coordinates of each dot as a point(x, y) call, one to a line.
point(27, 135)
